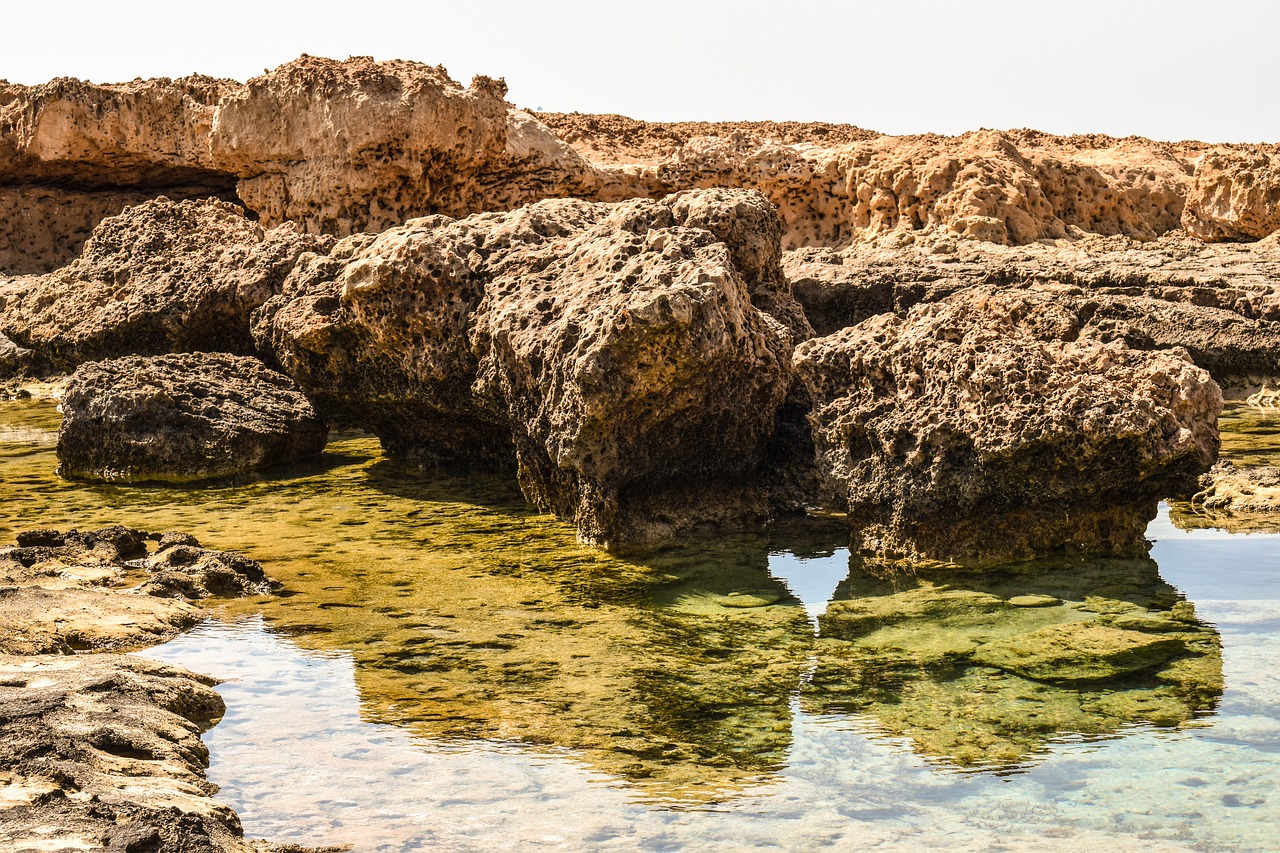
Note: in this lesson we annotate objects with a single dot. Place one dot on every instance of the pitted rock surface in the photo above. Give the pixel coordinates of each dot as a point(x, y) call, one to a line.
point(615, 350)
point(162, 277)
point(991, 407)
point(182, 417)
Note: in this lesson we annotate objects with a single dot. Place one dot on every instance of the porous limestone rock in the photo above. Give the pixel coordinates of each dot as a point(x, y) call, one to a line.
point(615, 349)
point(1234, 195)
point(182, 417)
point(986, 427)
point(62, 592)
point(1219, 302)
point(344, 147)
point(162, 277)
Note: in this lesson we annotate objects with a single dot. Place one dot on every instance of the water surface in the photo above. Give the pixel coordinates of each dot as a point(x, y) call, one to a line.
point(449, 670)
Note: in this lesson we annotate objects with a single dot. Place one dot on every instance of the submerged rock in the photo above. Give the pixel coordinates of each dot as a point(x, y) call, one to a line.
point(617, 354)
point(948, 660)
point(984, 427)
point(161, 277)
point(183, 417)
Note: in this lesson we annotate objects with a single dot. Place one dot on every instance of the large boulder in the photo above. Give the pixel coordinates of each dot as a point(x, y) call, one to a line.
point(183, 417)
point(161, 277)
point(1234, 196)
point(613, 351)
point(985, 427)
point(359, 145)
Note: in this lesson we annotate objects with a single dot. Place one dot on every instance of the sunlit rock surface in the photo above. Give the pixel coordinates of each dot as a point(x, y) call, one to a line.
point(990, 426)
point(166, 276)
point(624, 357)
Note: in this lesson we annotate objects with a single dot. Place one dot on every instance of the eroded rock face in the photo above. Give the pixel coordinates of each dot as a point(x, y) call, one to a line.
point(985, 427)
point(183, 417)
point(61, 592)
point(1234, 196)
point(344, 147)
point(162, 277)
point(615, 349)
point(1219, 302)
point(103, 752)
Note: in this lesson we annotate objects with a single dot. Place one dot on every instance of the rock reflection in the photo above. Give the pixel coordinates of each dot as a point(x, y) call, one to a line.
point(984, 669)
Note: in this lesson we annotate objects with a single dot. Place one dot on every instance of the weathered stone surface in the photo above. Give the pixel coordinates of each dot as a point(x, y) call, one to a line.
point(161, 277)
point(60, 593)
point(985, 427)
point(182, 417)
point(343, 147)
point(1234, 195)
point(103, 752)
point(615, 348)
point(1240, 491)
point(1219, 302)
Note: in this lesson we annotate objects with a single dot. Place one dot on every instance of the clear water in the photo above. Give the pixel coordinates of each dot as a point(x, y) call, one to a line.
point(448, 670)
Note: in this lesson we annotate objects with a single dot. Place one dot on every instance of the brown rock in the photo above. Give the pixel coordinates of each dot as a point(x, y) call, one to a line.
point(183, 417)
point(984, 427)
point(1234, 196)
point(614, 348)
point(161, 277)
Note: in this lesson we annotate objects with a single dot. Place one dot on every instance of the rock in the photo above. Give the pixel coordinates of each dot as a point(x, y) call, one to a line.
point(60, 592)
point(746, 598)
point(1240, 491)
point(345, 147)
point(612, 351)
point(1220, 303)
point(184, 417)
point(1234, 195)
point(14, 360)
point(161, 277)
point(104, 751)
point(983, 428)
point(1034, 601)
point(1079, 651)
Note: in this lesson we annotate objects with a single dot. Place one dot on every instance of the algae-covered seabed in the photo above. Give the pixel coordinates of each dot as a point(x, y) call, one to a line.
point(448, 669)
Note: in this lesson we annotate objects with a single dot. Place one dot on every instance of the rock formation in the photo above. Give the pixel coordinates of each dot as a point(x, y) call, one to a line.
point(162, 277)
point(103, 751)
point(988, 426)
point(342, 147)
point(1235, 195)
point(183, 417)
point(614, 351)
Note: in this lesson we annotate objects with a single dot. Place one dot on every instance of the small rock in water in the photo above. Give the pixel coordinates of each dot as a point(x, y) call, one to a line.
point(751, 598)
point(1034, 601)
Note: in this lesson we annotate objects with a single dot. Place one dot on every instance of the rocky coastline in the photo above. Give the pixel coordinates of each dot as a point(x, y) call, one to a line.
point(977, 350)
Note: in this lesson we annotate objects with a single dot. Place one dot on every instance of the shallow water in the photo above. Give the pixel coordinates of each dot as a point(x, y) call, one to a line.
point(448, 670)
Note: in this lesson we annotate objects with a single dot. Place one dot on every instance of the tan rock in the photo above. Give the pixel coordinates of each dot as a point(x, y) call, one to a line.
point(1234, 195)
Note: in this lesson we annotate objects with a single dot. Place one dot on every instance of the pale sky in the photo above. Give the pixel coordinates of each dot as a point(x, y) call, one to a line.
point(1169, 70)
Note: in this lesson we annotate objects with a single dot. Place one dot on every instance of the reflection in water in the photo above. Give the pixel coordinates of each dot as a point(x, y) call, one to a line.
point(467, 616)
point(986, 668)
point(1250, 439)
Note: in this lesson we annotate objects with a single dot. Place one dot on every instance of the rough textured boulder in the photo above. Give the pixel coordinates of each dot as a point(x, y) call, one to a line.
point(1234, 196)
point(162, 277)
point(615, 348)
point(985, 427)
point(1219, 302)
point(183, 417)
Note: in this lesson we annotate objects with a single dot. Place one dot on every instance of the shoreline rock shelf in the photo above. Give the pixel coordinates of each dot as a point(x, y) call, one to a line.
point(100, 750)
